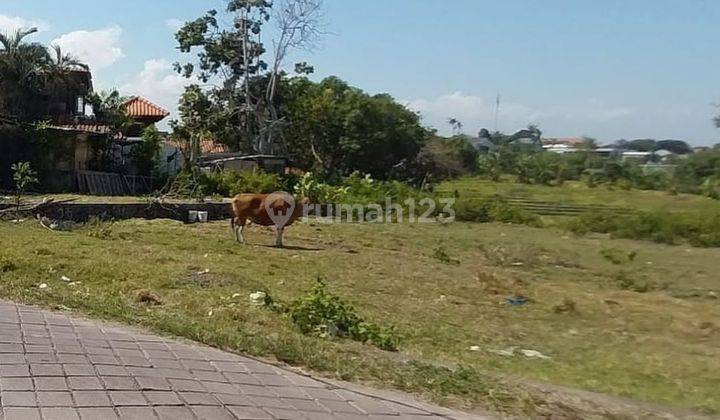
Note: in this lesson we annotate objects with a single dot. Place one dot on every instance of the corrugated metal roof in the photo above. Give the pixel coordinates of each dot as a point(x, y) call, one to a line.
point(141, 107)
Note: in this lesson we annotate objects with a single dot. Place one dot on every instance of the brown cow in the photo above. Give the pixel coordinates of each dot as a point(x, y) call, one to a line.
point(277, 209)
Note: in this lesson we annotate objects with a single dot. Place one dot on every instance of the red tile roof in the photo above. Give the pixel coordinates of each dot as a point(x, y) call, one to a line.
point(141, 107)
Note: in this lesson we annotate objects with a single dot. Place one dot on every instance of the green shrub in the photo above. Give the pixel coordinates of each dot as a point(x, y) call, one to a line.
point(494, 209)
point(618, 256)
point(323, 314)
point(600, 222)
point(229, 183)
point(659, 226)
point(310, 186)
point(440, 254)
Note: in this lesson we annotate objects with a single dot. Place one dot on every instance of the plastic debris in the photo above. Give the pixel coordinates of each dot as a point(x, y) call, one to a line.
point(516, 300)
point(66, 279)
point(534, 354)
point(474, 348)
point(258, 298)
point(43, 286)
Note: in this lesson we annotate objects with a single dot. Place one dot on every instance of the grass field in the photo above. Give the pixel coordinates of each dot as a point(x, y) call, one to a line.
point(626, 318)
point(580, 193)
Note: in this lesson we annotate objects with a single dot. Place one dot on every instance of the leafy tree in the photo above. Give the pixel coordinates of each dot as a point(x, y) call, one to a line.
point(145, 154)
point(489, 164)
point(589, 143)
point(337, 129)
point(456, 125)
point(642, 145)
point(108, 107)
point(195, 110)
point(675, 146)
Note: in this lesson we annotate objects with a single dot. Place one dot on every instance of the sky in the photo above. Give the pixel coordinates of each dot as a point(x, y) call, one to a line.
point(610, 69)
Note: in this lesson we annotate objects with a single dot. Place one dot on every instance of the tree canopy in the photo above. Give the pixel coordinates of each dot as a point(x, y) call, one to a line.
point(35, 79)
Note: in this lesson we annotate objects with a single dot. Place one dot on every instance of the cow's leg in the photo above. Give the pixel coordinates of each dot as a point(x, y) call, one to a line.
point(239, 228)
point(279, 240)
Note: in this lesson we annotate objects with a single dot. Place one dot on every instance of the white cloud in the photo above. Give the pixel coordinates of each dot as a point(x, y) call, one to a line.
point(158, 83)
point(477, 112)
point(99, 49)
point(474, 111)
point(10, 24)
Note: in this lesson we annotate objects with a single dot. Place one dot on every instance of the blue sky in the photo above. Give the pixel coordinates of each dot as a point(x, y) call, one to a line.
point(609, 69)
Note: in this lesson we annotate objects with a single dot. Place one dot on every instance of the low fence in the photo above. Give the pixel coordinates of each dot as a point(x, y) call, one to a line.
point(113, 184)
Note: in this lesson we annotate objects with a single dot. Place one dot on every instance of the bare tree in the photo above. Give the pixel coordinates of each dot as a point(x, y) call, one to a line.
point(299, 25)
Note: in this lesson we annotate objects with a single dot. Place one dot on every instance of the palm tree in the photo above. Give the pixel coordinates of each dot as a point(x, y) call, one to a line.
point(21, 67)
point(59, 84)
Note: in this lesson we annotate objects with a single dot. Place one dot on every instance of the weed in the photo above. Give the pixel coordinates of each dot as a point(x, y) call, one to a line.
point(441, 254)
point(568, 305)
point(321, 313)
point(148, 297)
point(618, 256)
point(626, 282)
point(99, 229)
point(7, 265)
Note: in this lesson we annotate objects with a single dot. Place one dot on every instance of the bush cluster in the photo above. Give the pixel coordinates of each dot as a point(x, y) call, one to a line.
point(494, 209)
point(659, 226)
point(324, 314)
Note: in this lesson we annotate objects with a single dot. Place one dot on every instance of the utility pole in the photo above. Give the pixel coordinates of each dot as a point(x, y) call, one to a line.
point(497, 109)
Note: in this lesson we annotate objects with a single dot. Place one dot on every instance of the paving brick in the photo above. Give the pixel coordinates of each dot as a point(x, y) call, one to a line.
point(50, 384)
point(91, 399)
point(219, 387)
point(199, 398)
point(212, 413)
point(16, 384)
point(249, 413)
point(120, 398)
point(88, 383)
point(46, 370)
point(152, 383)
point(54, 399)
point(109, 370)
point(9, 371)
point(60, 413)
point(137, 413)
point(162, 398)
point(97, 414)
point(234, 399)
point(120, 383)
point(79, 370)
point(175, 413)
point(18, 399)
point(21, 413)
point(186, 385)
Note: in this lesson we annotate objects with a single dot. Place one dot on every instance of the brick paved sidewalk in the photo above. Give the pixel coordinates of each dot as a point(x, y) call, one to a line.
point(56, 366)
